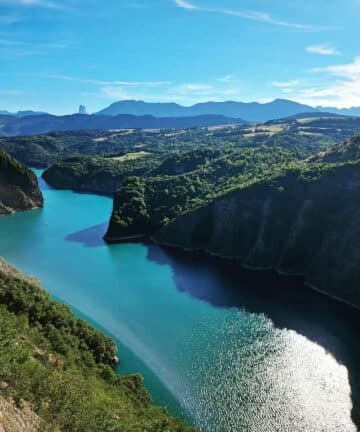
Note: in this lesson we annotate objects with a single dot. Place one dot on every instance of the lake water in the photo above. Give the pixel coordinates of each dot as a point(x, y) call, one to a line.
point(225, 348)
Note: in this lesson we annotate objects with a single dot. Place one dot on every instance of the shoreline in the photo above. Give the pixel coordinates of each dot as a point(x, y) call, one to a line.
point(132, 238)
point(278, 270)
point(143, 237)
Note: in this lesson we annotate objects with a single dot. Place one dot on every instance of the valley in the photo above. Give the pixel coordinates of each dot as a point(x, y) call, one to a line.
point(279, 196)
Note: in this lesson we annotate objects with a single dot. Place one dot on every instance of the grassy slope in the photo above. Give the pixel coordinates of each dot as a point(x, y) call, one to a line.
point(60, 367)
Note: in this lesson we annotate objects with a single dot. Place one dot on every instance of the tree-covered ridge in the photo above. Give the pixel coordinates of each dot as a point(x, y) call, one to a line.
point(347, 151)
point(62, 368)
point(18, 186)
point(143, 205)
point(99, 174)
point(307, 136)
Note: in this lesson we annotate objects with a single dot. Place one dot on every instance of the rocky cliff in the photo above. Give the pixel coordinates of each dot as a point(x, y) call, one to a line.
point(304, 220)
point(19, 189)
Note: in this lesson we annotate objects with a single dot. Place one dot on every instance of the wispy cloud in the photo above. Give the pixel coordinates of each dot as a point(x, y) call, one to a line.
point(349, 71)
point(108, 83)
point(10, 92)
point(285, 84)
point(335, 85)
point(227, 79)
point(186, 93)
point(185, 4)
point(287, 87)
point(252, 15)
point(12, 48)
point(37, 3)
point(322, 49)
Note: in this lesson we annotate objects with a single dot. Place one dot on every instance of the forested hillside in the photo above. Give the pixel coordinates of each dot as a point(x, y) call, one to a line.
point(56, 372)
point(143, 205)
point(99, 174)
point(304, 135)
point(302, 219)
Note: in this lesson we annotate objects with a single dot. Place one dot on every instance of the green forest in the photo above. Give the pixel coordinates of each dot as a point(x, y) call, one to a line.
point(63, 369)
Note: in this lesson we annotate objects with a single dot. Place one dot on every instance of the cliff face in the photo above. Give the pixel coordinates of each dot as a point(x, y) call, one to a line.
point(13, 419)
point(19, 189)
point(303, 222)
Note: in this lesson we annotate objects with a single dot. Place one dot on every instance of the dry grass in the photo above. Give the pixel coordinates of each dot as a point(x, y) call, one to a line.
point(131, 156)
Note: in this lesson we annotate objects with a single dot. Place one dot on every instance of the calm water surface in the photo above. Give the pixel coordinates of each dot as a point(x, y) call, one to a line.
point(227, 349)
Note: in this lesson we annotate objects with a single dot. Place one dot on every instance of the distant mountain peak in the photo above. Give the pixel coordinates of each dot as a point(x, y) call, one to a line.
point(82, 109)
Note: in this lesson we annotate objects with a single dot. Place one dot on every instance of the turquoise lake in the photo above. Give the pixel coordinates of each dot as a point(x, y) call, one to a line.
point(224, 348)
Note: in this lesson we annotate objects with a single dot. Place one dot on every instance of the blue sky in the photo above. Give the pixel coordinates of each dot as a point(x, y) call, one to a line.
point(57, 54)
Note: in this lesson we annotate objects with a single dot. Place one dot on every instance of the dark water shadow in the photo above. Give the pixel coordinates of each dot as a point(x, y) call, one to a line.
point(89, 237)
point(285, 300)
point(90, 192)
point(43, 185)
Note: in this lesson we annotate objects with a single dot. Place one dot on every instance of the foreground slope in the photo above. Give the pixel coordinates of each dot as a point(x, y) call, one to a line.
point(56, 372)
point(303, 220)
point(18, 186)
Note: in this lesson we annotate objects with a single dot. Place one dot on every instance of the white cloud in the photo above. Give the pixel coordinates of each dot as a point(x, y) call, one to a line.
point(286, 84)
point(322, 49)
point(252, 15)
point(194, 87)
point(184, 4)
point(339, 86)
point(349, 71)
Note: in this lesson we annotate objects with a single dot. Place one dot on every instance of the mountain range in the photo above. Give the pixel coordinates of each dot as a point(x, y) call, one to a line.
point(21, 113)
point(248, 111)
point(130, 114)
point(251, 112)
point(41, 124)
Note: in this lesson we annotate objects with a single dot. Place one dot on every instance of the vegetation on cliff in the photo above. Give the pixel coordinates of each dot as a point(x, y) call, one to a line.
point(303, 220)
point(99, 174)
point(60, 368)
point(144, 205)
point(18, 186)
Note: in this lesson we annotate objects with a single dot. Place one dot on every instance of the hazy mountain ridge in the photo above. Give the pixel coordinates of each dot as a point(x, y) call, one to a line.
point(44, 123)
point(249, 111)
